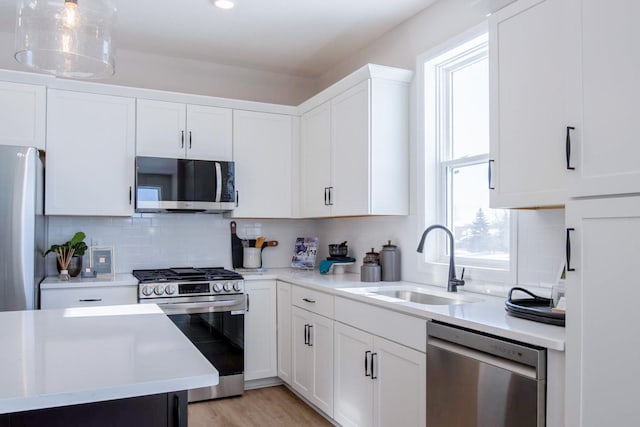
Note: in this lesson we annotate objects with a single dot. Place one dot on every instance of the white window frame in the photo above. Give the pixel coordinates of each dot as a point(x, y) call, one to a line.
point(432, 176)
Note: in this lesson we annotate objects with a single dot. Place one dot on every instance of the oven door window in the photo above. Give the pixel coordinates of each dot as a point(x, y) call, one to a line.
point(218, 336)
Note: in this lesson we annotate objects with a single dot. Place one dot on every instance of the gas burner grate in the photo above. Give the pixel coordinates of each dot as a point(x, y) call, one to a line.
point(185, 274)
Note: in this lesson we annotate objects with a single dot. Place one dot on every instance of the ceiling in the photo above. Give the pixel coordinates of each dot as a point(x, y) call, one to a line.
point(298, 37)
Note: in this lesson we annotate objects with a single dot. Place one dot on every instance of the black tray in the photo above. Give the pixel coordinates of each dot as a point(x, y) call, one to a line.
point(535, 308)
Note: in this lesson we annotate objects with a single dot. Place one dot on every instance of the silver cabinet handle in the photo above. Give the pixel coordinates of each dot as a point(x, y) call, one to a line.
point(310, 340)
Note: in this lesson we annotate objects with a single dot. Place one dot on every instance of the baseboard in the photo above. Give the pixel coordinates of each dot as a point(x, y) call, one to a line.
point(262, 382)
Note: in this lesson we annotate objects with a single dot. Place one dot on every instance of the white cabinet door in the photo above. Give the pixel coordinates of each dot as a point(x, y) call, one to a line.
point(209, 133)
point(400, 385)
point(22, 114)
point(315, 162)
point(602, 311)
point(353, 383)
point(321, 342)
point(262, 147)
point(260, 352)
point(529, 48)
point(284, 331)
point(350, 137)
point(90, 154)
point(606, 144)
point(312, 345)
point(160, 129)
point(302, 353)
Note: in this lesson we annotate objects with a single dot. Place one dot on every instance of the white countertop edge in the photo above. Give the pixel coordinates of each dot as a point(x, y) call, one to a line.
point(20, 404)
point(121, 279)
point(551, 337)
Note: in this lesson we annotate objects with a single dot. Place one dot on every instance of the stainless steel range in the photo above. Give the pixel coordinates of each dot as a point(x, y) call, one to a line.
point(208, 306)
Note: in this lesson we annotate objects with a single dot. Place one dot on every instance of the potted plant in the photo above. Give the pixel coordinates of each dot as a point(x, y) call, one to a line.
point(69, 255)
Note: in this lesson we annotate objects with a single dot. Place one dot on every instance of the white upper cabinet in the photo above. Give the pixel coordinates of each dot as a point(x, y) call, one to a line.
point(605, 149)
point(209, 133)
point(315, 161)
point(262, 151)
point(22, 114)
point(90, 154)
point(354, 151)
point(530, 45)
point(176, 130)
point(351, 152)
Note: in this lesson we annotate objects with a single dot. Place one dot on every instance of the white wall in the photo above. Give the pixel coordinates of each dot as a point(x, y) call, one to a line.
point(198, 77)
point(177, 240)
point(400, 46)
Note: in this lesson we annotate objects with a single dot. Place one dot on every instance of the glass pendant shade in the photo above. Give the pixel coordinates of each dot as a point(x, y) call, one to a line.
point(71, 38)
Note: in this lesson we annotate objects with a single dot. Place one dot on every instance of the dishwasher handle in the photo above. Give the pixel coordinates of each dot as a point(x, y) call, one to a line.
point(489, 359)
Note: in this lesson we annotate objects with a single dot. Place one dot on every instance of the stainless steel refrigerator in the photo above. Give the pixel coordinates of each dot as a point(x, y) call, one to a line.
point(22, 227)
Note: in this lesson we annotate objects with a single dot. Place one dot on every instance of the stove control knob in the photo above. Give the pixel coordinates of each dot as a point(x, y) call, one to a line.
point(227, 287)
point(158, 290)
point(170, 289)
point(147, 290)
point(217, 287)
point(237, 287)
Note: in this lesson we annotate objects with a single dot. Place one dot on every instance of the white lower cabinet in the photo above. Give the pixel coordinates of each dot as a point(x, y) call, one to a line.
point(283, 302)
point(88, 296)
point(377, 382)
point(260, 353)
point(312, 349)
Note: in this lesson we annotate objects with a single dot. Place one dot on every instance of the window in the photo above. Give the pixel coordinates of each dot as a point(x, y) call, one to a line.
point(456, 154)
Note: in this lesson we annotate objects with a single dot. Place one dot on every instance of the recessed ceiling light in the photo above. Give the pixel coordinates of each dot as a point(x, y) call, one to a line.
point(224, 4)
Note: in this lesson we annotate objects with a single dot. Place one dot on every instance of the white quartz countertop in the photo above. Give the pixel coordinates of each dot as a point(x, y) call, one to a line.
point(487, 315)
point(51, 358)
point(54, 282)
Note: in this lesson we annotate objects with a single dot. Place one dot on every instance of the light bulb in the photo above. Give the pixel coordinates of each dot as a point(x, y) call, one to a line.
point(224, 4)
point(70, 13)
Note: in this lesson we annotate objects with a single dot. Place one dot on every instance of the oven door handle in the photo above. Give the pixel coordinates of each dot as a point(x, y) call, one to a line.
point(203, 307)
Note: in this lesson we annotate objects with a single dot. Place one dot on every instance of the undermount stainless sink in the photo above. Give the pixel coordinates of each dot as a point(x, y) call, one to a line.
point(424, 298)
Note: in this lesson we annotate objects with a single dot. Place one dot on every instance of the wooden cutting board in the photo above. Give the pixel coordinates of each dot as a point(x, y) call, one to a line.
point(236, 247)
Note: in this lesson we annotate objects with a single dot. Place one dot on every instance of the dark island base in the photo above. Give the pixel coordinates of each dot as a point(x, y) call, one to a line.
point(158, 410)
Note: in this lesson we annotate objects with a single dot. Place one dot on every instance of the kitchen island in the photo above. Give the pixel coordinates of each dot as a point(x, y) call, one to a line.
point(111, 365)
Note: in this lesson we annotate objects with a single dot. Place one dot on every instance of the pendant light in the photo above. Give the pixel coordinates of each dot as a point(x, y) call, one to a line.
point(67, 38)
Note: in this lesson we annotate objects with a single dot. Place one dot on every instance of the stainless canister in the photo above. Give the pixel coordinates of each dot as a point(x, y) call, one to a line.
point(390, 262)
point(370, 272)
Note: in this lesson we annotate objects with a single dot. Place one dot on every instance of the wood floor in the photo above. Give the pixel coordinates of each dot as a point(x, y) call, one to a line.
point(264, 407)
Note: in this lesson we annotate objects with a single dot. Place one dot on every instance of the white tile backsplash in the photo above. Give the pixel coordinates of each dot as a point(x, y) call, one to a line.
point(173, 240)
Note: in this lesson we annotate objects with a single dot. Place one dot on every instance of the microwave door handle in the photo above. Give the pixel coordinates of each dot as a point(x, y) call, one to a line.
point(218, 182)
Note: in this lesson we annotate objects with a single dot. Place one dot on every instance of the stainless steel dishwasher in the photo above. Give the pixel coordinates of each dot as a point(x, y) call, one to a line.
point(478, 380)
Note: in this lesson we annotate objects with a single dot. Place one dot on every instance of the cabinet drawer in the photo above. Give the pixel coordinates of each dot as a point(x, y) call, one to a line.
point(84, 297)
point(314, 301)
point(398, 327)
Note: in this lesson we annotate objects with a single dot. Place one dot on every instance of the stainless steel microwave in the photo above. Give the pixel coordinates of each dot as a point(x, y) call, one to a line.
point(179, 185)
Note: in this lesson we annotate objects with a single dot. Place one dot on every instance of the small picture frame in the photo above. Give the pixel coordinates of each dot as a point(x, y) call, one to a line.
point(102, 261)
